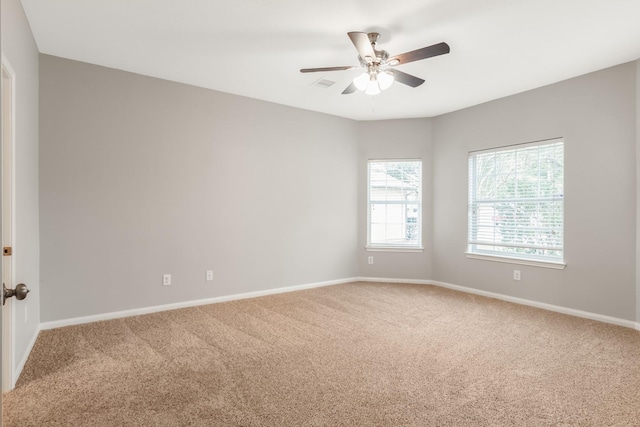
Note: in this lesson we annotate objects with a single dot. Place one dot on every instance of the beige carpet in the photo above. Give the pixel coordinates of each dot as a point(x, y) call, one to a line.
point(362, 354)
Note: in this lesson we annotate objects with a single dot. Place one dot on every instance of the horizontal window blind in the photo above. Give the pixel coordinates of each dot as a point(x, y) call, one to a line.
point(516, 201)
point(394, 204)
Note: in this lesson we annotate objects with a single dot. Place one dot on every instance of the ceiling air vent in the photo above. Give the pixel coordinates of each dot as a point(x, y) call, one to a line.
point(323, 83)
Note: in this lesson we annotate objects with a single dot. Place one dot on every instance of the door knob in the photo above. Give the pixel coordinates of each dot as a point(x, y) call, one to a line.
point(20, 292)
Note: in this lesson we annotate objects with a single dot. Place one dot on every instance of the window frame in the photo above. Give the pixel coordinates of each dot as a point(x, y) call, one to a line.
point(381, 247)
point(514, 258)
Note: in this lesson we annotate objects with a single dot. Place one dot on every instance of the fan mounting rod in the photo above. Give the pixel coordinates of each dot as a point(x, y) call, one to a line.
point(373, 38)
point(381, 55)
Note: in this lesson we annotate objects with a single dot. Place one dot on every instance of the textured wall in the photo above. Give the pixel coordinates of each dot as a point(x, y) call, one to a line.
point(141, 177)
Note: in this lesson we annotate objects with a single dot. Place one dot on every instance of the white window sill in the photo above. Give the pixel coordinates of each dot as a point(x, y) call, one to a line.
point(510, 260)
point(393, 249)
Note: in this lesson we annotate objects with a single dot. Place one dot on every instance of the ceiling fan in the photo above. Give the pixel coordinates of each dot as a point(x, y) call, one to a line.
point(379, 73)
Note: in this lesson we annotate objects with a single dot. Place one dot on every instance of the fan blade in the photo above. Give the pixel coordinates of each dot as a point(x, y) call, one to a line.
point(425, 52)
point(362, 44)
point(315, 70)
point(406, 79)
point(350, 89)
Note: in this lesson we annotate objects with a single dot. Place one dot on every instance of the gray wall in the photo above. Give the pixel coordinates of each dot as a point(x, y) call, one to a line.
point(395, 139)
point(596, 116)
point(21, 52)
point(141, 177)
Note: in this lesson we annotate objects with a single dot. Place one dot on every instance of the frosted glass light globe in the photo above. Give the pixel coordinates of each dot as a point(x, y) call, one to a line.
point(373, 88)
point(362, 81)
point(385, 79)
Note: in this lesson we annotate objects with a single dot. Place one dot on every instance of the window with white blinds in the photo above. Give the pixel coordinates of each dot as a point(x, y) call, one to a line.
point(516, 202)
point(394, 204)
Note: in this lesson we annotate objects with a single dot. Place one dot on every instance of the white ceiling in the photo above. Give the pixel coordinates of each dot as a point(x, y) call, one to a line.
point(255, 48)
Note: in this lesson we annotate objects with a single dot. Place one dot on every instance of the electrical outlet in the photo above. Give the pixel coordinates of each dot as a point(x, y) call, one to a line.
point(516, 274)
point(166, 279)
point(370, 260)
point(209, 276)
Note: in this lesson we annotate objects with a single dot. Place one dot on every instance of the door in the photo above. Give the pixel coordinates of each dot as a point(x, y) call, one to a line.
point(2, 323)
point(7, 219)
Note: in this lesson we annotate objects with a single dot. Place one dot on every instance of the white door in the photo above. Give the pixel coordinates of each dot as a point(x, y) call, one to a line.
point(7, 208)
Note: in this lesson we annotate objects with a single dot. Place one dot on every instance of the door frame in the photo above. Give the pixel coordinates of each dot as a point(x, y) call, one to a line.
point(8, 325)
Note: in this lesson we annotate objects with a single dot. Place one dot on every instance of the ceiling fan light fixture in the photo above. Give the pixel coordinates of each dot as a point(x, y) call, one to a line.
point(378, 74)
point(385, 80)
point(362, 81)
point(373, 88)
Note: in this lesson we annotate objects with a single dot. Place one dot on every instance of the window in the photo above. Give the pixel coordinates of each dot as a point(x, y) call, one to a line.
point(516, 202)
point(394, 204)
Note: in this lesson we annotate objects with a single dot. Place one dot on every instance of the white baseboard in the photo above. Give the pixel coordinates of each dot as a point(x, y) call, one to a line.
point(146, 310)
point(154, 309)
point(559, 309)
point(388, 280)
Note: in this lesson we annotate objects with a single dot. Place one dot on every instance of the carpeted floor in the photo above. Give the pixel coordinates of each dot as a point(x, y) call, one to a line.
point(361, 354)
